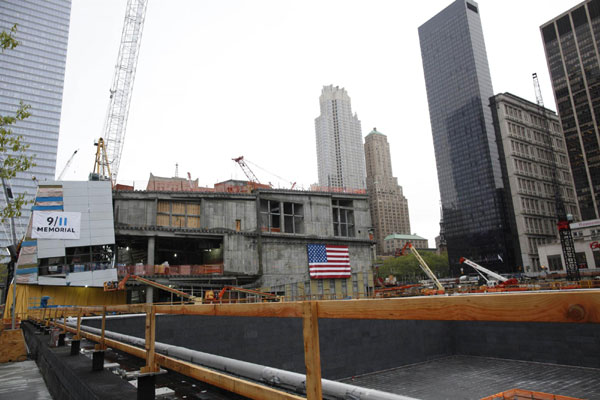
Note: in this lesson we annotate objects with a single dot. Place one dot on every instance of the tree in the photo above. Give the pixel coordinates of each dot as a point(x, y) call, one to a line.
point(13, 157)
point(406, 268)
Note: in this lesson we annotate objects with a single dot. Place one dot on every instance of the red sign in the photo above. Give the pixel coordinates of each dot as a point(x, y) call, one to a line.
point(595, 246)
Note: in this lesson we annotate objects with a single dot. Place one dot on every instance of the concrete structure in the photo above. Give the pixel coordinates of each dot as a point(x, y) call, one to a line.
point(34, 73)
point(396, 241)
point(259, 238)
point(340, 154)
point(459, 86)
point(86, 261)
point(389, 207)
point(571, 42)
point(586, 235)
point(532, 150)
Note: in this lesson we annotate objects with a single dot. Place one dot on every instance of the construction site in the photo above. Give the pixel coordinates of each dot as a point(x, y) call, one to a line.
point(245, 291)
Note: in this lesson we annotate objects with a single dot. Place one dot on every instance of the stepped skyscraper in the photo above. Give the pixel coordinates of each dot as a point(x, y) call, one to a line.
point(389, 207)
point(340, 153)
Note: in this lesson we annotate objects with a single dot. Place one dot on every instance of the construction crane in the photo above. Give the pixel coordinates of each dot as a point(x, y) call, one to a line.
point(247, 171)
point(67, 165)
point(120, 92)
point(563, 224)
point(496, 279)
point(425, 267)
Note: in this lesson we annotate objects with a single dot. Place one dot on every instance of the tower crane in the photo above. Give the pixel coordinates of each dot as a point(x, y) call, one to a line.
point(563, 224)
point(107, 165)
point(67, 165)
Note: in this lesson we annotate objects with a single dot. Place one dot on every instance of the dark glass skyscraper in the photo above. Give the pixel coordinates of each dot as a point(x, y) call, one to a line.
point(572, 42)
point(459, 87)
point(34, 72)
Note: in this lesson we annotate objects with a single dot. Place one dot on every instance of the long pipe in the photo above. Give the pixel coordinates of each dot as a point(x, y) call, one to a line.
point(260, 373)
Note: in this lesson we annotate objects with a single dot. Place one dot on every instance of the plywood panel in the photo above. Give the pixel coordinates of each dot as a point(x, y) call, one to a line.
point(162, 220)
point(193, 222)
point(193, 209)
point(179, 208)
point(164, 207)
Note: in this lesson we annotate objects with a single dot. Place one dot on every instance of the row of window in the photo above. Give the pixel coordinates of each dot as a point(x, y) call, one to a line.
point(275, 216)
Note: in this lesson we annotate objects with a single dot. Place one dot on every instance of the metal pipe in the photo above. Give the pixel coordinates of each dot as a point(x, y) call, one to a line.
point(260, 373)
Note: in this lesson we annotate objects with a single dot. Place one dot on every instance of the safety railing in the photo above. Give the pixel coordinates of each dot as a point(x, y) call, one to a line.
point(578, 306)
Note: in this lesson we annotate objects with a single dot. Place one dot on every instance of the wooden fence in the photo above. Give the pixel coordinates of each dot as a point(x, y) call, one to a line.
point(578, 306)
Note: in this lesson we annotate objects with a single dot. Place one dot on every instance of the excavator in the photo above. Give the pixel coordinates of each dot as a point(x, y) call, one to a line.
point(112, 286)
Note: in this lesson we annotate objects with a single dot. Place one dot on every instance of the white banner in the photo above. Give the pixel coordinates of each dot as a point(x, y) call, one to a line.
point(56, 225)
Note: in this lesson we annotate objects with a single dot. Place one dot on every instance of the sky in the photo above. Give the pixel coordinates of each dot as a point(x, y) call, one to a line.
point(217, 79)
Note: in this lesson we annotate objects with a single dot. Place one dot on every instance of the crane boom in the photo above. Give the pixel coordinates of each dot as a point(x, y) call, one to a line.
point(122, 86)
point(425, 267)
point(564, 227)
point(247, 171)
point(67, 165)
point(486, 271)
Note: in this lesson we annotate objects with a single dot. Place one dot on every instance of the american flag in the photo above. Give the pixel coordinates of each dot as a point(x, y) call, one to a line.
point(326, 261)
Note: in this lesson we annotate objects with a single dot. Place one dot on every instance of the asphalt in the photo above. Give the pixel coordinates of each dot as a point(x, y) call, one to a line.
point(23, 381)
point(468, 377)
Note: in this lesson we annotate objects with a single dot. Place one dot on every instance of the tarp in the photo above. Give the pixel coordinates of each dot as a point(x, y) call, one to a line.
point(30, 295)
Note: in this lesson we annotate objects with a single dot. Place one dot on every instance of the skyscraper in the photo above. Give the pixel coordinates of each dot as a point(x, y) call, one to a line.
point(34, 73)
point(340, 153)
point(459, 87)
point(389, 207)
point(571, 41)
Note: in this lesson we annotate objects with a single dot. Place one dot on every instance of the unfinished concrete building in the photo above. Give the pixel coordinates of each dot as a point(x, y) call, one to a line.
point(257, 239)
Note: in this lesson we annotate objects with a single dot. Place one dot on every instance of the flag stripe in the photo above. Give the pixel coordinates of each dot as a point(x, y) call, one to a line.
point(329, 261)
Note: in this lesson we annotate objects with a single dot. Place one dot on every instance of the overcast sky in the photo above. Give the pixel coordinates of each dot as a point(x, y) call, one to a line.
point(217, 79)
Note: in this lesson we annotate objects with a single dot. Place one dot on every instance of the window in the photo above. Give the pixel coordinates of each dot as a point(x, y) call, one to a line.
point(581, 260)
point(273, 220)
point(555, 263)
point(178, 214)
point(343, 218)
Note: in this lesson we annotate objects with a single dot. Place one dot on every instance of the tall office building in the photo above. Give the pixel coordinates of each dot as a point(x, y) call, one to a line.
point(388, 206)
point(459, 87)
point(572, 42)
point(340, 153)
point(34, 73)
point(534, 163)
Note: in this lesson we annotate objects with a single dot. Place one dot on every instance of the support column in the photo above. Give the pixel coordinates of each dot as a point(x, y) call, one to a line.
point(149, 294)
point(150, 255)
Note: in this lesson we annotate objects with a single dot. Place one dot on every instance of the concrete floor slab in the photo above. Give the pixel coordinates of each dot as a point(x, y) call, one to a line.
point(468, 377)
point(23, 381)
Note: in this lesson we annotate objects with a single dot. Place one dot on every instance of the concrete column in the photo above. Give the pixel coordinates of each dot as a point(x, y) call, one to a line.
point(150, 256)
point(149, 294)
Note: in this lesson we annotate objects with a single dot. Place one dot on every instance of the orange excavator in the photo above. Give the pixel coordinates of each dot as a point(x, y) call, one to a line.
point(112, 286)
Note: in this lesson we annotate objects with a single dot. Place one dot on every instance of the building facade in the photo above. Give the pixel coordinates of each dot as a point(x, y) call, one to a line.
point(572, 42)
point(257, 239)
point(340, 153)
point(396, 241)
point(34, 73)
point(534, 163)
point(459, 87)
point(586, 235)
point(389, 207)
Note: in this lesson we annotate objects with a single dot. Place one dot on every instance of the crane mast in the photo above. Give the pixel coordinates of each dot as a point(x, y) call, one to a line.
point(563, 224)
point(122, 87)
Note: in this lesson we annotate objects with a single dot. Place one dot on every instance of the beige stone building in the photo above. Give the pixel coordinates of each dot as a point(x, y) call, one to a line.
point(389, 207)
